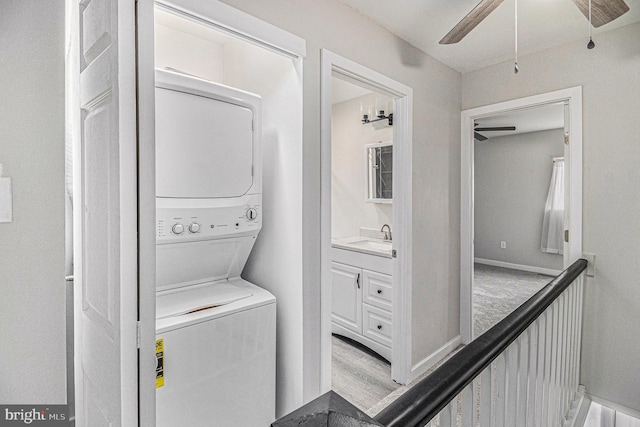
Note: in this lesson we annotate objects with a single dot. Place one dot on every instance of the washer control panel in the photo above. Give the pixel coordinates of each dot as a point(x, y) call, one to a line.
point(180, 224)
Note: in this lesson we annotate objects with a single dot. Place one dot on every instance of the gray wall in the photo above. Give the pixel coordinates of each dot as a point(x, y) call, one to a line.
point(436, 159)
point(511, 182)
point(32, 247)
point(610, 78)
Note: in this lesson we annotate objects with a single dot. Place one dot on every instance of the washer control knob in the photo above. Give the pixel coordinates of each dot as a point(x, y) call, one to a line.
point(194, 227)
point(251, 214)
point(177, 228)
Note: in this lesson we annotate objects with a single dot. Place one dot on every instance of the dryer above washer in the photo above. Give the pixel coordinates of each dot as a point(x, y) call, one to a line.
point(207, 146)
point(208, 179)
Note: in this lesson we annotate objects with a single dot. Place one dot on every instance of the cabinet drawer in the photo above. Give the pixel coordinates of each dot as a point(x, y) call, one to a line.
point(376, 324)
point(377, 289)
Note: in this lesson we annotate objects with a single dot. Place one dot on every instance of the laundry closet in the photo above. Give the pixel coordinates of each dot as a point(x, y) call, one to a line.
point(244, 202)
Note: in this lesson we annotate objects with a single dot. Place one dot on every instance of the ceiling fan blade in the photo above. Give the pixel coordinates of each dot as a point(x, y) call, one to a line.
point(602, 11)
point(469, 22)
point(495, 128)
point(479, 137)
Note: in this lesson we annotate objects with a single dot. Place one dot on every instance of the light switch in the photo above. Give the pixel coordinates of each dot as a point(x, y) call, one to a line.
point(6, 205)
point(591, 267)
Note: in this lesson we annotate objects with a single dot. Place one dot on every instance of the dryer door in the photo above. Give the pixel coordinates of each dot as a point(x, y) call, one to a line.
point(204, 146)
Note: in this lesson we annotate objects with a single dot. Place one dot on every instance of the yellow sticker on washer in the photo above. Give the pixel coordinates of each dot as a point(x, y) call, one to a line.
point(160, 362)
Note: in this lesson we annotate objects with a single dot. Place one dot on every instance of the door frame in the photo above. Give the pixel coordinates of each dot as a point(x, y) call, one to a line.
point(239, 24)
point(402, 209)
point(573, 188)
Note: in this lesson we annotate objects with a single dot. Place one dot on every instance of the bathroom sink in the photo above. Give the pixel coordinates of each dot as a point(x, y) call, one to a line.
point(364, 244)
point(376, 245)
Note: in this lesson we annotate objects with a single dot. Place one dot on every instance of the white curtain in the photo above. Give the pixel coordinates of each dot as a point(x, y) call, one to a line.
point(553, 223)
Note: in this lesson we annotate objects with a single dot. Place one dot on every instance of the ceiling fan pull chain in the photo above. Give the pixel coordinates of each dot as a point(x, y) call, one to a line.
point(515, 68)
point(591, 44)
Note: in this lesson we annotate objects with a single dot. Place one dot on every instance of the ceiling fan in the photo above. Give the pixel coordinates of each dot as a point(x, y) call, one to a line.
point(602, 11)
point(480, 137)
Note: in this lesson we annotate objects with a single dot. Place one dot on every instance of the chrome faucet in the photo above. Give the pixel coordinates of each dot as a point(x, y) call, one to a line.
point(387, 234)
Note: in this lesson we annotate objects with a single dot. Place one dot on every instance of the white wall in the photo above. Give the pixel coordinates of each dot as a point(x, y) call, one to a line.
point(511, 183)
point(32, 247)
point(436, 158)
point(175, 48)
point(349, 211)
point(276, 261)
point(610, 77)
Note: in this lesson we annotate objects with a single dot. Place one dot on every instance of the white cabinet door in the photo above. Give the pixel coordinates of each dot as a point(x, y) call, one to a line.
point(346, 296)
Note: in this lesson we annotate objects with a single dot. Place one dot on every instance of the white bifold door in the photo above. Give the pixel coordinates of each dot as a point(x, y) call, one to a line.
point(103, 43)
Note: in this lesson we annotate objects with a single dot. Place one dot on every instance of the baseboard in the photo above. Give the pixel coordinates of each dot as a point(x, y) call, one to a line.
point(425, 364)
point(530, 268)
point(616, 406)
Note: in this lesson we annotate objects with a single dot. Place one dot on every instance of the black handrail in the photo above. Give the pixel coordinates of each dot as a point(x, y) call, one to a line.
point(428, 397)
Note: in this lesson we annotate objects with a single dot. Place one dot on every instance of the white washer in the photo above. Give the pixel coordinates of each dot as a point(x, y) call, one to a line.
point(218, 363)
point(218, 331)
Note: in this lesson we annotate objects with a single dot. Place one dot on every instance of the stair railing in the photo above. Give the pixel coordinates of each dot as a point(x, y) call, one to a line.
point(522, 372)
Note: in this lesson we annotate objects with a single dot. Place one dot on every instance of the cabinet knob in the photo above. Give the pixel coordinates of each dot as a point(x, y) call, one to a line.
point(379, 326)
point(379, 291)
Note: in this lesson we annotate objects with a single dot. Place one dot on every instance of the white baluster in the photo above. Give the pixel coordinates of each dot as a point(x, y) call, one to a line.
point(563, 355)
point(548, 357)
point(576, 349)
point(540, 361)
point(448, 414)
point(523, 372)
point(512, 384)
point(570, 348)
point(532, 374)
point(569, 388)
point(467, 408)
point(580, 284)
point(487, 391)
point(553, 389)
point(500, 391)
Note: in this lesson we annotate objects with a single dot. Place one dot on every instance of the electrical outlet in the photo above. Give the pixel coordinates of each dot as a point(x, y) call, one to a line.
point(503, 244)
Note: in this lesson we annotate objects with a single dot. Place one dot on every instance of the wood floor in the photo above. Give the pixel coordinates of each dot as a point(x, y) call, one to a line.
point(358, 375)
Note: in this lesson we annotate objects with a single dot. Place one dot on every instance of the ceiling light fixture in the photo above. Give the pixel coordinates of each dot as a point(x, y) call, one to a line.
point(591, 44)
point(515, 68)
point(379, 108)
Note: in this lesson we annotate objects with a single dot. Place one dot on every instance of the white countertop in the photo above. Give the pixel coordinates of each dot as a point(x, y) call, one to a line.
point(366, 245)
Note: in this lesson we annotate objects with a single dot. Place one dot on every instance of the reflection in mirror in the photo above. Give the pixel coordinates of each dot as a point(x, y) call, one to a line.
point(379, 170)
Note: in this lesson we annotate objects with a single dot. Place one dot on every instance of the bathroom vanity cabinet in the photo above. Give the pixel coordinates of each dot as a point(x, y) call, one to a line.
point(361, 301)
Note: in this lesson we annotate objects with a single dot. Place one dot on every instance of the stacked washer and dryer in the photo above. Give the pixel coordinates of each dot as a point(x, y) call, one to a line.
point(216, 331)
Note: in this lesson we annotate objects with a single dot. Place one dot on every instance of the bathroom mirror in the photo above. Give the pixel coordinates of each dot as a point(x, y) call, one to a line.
point(379, 172)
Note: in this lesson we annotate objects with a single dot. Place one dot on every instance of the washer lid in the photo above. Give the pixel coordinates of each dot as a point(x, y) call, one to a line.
point(198, 298)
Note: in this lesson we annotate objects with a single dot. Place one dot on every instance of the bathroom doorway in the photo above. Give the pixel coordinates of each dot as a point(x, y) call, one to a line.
point(366, 133)
point(361, 263)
